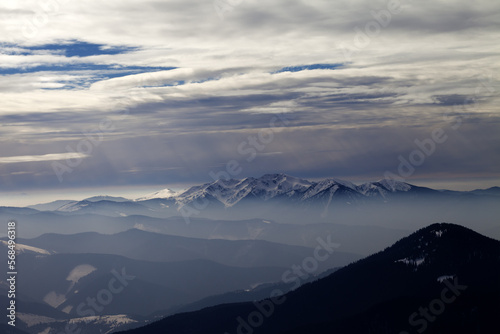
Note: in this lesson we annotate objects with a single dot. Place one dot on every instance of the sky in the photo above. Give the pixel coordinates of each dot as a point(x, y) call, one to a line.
point(121, 96)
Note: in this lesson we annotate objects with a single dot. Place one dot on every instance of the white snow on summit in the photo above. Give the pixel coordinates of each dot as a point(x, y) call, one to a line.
point(230, 192)
point(320, 187)
point(165, 193)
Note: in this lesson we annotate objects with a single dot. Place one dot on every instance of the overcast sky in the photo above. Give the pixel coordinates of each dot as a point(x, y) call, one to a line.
point(126, 93)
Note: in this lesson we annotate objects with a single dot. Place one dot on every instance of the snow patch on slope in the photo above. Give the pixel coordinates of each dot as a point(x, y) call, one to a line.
point(416, 262)
point(33, 319)
point(110, 320)
point(20, 248)
point(440, 279)
point(54, 299)
point(67, 309)
point(79, 272)
point(394, 185)
point(320, 187)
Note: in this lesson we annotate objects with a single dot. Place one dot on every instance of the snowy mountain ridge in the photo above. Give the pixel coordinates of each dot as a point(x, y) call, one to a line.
point(269, 186)
point(268, 192)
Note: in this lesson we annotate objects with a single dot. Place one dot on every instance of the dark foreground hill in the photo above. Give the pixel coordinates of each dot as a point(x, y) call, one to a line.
point(441, 279)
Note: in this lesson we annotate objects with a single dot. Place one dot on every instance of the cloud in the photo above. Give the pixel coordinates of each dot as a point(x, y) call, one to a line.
point(38, 158)
point(182, 88)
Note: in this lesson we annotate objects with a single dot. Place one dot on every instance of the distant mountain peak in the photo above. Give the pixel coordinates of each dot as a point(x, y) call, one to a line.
point(164, 193)
point(230, 192)
point(268, 186)
point(344, 183)
point(393, 185)
point(106, 198)
point(323, 197)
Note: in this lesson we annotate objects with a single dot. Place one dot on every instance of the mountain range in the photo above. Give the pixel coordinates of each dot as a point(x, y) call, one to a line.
point(229, 257)
point(287, 199)
point(229, 193)
point(382, 293)
point(441, 279)
point(148, 246)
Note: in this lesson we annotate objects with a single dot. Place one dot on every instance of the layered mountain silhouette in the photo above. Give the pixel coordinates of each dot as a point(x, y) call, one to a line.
point(148, 246)
point(268, 188)
point(441, 279)
point(287, 199)
point(229, 256)
point(64, 281)
point(358, 239)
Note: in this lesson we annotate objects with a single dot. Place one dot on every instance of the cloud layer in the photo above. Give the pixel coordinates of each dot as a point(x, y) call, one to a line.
point(174, 90)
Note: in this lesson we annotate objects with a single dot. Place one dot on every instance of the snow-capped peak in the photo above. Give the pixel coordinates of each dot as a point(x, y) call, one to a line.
point(344, 183)
point(269, 186)
point(331, 185)
point(165, 193)
point(230, 192)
